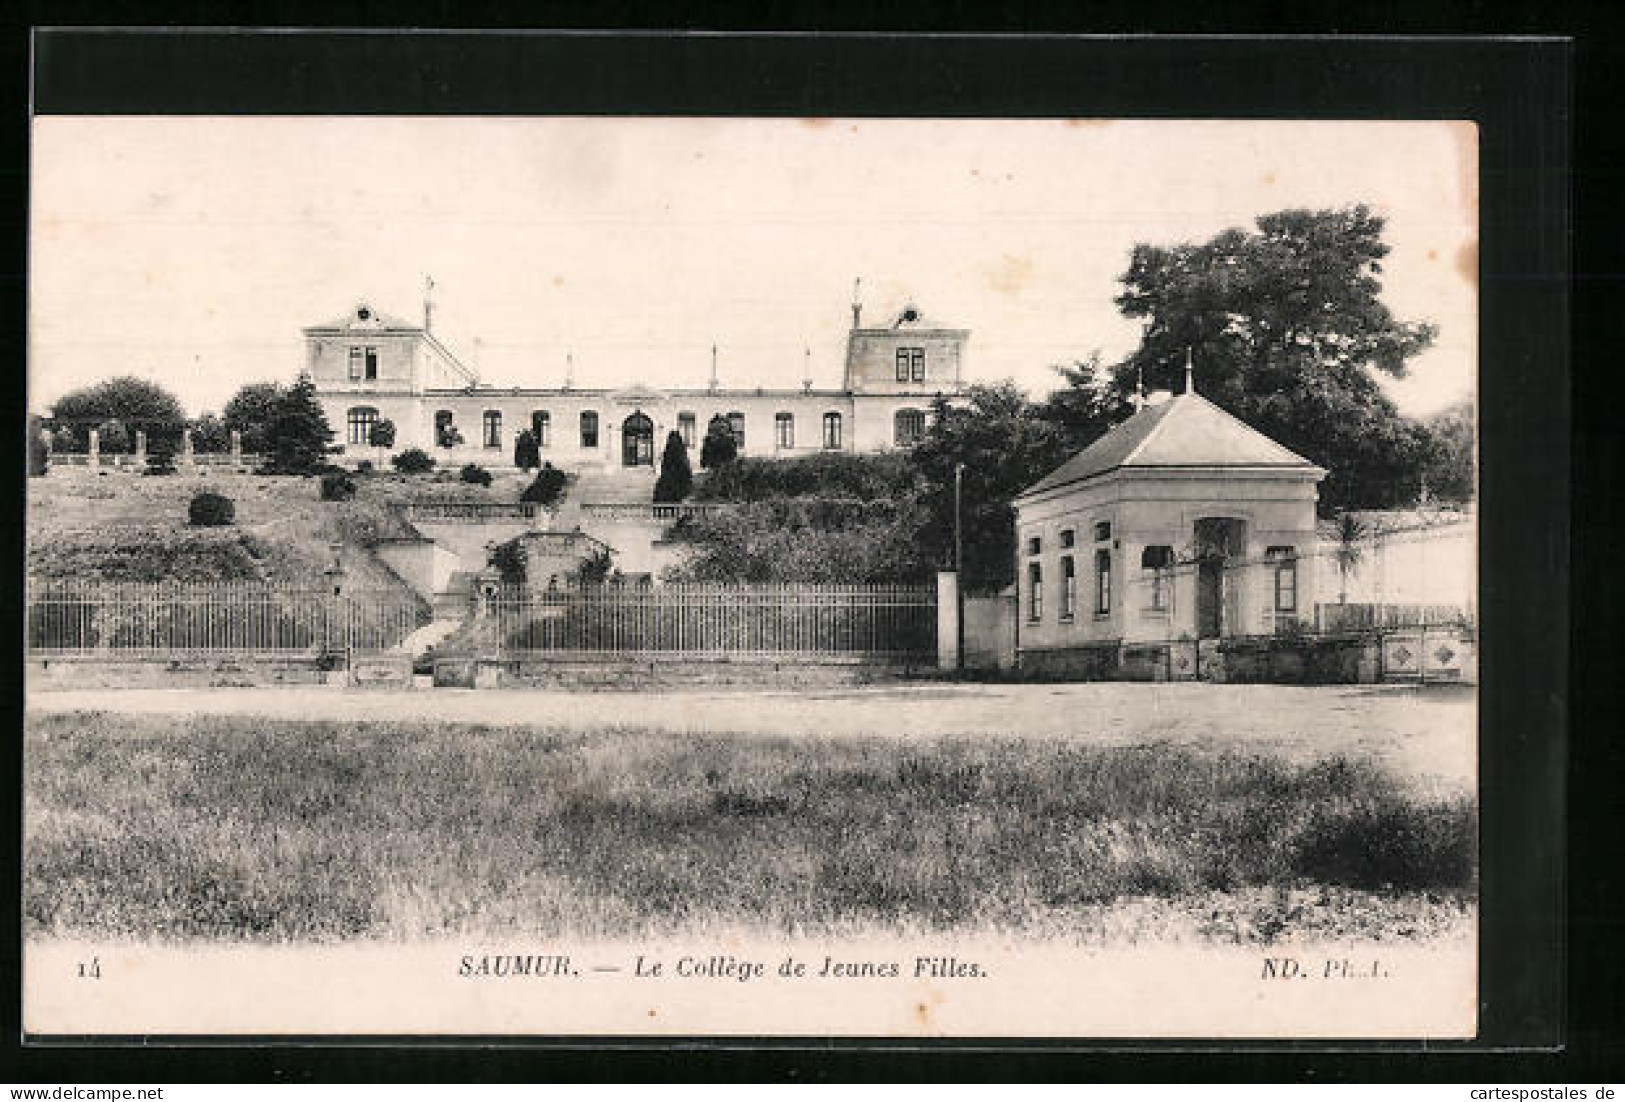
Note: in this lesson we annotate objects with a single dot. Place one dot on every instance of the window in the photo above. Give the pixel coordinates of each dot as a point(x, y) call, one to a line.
point(784, 430)
point(908, 427)
point(589, 429)
point(902, 365)
point(1067, 537)
point(832, 431)
point(1103, 582)
point(493, 429)
point(685, 428)
point(360, 420)
point(736, 426)
point(916, 364)
point(1103, 530)
point(541, 427)
point(1035, 592)
point(1034, 545)
point(372, 363)
point(355, 362)
point(1285, 561)
point(445, 429)
point(1158, 561)
point(1069, 588)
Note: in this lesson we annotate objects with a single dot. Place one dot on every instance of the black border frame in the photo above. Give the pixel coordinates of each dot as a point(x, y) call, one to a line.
point(1519, 91)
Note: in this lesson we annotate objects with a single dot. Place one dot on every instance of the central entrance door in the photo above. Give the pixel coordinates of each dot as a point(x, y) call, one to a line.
point(637, 441)
point(1219, 542)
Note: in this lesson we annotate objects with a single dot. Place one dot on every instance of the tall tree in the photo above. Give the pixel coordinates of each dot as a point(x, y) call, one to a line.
point(1005, 443)
point(210, 435)
point(250, 412)
point(1087, 406)
point(676, 476)
point(135, 403)
point(1452, 453)
point(526, 455)
point(300, 433)
point(719, 447)
point(1288, 332)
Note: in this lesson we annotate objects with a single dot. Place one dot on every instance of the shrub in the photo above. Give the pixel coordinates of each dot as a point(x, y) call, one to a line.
point(676, 476)
point(413, 461)
point(475, 475)
point(211, 510)
point(364, 467)
point(547, 487)
point(337, 486)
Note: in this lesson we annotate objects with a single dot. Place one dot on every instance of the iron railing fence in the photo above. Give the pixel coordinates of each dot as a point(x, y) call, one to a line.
point(814, 622)
point(152, 619)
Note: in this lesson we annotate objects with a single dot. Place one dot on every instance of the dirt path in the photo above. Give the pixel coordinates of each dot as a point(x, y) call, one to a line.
point(1429, 737)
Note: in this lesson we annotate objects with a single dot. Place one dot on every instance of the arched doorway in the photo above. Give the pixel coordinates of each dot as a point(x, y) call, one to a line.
point(637, 441)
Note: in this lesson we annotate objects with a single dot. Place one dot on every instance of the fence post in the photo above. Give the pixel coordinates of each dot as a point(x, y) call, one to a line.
point(948, 620)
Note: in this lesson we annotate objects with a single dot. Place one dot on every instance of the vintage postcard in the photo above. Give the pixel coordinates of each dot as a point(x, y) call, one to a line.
point(751, 577)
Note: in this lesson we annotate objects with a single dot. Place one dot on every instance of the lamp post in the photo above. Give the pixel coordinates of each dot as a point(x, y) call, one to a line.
point(959, 571)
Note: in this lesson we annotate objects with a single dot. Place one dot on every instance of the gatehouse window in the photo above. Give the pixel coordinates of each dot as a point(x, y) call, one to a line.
point(1068, 537)
point(685, 428)
point(363, 362)
point(361, 420)
point(1103, 530)
point(541, 427)
point(908, 427)
point(1158, 561)
point(1035, 592)
point(911, 365)
point(445, 428)
point(371, 356)
point(832, 431)
point(1103, 582)
point(1284, 559)
point(355, 362)
point(736, 426)
point(589, 429)
point(784, 430)
point(493, 428)
point(1034, 545)
point(1069, 587)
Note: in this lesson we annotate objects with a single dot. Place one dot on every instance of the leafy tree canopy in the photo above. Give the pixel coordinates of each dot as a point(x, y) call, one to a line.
point(250, 412)
point(135, 403)
point(1287, 332)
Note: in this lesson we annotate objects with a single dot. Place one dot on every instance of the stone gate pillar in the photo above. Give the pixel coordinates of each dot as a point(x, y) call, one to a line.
point(947, 620)
point(236, 448)
point(140, 447)
point(93, 451)
point(186, 447)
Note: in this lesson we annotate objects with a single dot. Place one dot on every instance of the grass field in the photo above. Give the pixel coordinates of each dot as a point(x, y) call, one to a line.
point(245, 827)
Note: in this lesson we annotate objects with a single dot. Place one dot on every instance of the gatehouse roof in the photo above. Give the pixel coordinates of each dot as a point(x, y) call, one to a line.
point(1186, 431)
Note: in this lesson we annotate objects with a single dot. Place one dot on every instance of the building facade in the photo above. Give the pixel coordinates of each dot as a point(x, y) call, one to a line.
point(1182, 524)
point(368, 367)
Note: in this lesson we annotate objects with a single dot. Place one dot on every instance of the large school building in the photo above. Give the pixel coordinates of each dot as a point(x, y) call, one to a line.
point(368, 366)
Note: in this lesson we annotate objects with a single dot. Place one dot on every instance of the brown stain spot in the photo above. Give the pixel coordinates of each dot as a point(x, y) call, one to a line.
point(1093, 124)
point(815, 123)
point(1011, 275)
point(558, 281)
point(922, 1013)
point(1433, 254)
point(1269, 177)
point(1467, 262)
point(651, 1013)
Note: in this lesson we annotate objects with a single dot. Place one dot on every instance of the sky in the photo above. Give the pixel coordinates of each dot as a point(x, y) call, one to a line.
point(191, 251)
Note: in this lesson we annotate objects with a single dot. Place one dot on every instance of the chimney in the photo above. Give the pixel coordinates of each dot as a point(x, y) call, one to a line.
point(428, 304)
point(857, 303)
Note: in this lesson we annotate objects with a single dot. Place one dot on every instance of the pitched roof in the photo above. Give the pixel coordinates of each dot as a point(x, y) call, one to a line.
point(1185, 431)
point(377, 320)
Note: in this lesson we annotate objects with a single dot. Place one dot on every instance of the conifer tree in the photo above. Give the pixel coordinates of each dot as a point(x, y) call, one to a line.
point(676, 477)
point(300, 433)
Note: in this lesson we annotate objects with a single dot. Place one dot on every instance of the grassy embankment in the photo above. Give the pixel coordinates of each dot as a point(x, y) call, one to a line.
point(130, 527)
point(231, 828)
